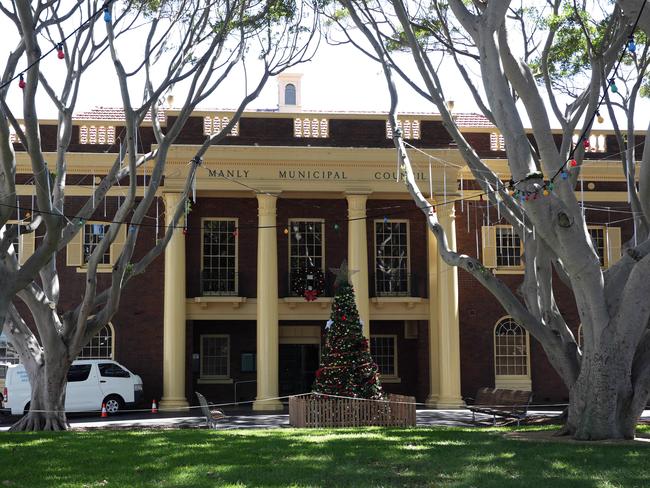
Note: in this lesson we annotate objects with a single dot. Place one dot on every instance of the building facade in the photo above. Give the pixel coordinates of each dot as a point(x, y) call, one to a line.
point(288, 191)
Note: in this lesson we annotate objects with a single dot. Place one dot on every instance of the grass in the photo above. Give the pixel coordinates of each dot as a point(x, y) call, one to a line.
point(369, 457)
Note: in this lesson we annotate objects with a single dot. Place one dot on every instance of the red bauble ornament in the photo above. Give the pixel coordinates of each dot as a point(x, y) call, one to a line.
point(344, 317)
point(574, 163)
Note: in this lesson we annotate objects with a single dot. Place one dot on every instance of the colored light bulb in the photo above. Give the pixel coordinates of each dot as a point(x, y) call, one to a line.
point(59, 51)
point(546, 192)
point(586, 143)
point(574, 163)
point(612, 86)
point(599, 118)
point(286, 231)
point(107, 15)
point(21, 82)
point(631, 45)
point(564, 175)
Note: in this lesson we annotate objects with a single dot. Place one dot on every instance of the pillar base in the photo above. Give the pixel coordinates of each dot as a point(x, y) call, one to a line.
point(432, 401)
point(268, 405)
point(447, 403)
point(178, 403)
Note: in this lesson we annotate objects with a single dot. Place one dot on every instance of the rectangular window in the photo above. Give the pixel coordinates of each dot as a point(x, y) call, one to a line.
point(79, 372)
point(391, 258)
point(215, 356)
point(598, 239)
point(93, 234)
point(306, 245)
point(508, 247)
point(219, 266)
point(248, 362)
point(384, 352)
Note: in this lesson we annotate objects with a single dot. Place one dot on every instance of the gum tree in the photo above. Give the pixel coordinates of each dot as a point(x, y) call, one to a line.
point(190, 45)
point(609, 377)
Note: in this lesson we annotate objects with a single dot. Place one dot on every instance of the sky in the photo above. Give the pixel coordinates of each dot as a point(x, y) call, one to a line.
point(339, 78)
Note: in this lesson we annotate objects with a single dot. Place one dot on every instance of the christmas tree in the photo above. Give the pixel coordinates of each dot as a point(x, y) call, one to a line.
point(346, 368)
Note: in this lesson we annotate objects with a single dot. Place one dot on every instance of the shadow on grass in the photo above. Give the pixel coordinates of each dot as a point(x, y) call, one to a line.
point(288, 457)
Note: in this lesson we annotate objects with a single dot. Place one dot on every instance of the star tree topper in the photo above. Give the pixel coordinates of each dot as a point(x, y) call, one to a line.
point(343, 273)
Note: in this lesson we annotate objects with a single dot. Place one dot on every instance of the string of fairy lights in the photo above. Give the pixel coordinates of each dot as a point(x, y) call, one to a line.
point(571, 162)
point(519, 193)
point(58, 47)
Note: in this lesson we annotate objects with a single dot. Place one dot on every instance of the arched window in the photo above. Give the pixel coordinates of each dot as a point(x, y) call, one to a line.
point(7, 352)
point(100, 346)
point(511, 355)
point(290, 94)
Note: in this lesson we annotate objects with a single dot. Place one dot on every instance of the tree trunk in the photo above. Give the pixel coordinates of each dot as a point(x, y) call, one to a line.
point(47, 404)
point(599, 406)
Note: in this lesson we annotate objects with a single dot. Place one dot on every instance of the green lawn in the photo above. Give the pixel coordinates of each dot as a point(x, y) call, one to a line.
point(375, 457)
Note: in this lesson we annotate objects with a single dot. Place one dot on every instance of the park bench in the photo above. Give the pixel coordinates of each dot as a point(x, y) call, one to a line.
point(501, 403)
point(212, 416)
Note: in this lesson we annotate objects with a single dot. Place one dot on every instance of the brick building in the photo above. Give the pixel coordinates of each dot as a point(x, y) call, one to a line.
point(289, 188)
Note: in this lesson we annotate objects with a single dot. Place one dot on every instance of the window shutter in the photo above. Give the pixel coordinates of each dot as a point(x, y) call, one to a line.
point(74, 250)
point(489, 243)
point(27, 249)
point(613, 245)
point(118, 244)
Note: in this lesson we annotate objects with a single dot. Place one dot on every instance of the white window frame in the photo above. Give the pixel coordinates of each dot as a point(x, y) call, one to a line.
point(489, 250)
point(204, 220)
point(511, 381)
point(298, 220)
point(384, 376)
point(611, 244)
point(106, 227)
point(218, 376)
point(111, 329)
point(408, 257)
point(75, 249)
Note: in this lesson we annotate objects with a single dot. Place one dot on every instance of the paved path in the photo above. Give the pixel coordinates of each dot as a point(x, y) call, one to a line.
point(249, 420)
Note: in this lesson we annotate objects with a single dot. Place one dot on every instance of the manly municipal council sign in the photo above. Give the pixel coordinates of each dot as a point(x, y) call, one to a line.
point(306, 174)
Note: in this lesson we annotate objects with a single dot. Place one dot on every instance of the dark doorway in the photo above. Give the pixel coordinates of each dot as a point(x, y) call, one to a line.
point(298, 364)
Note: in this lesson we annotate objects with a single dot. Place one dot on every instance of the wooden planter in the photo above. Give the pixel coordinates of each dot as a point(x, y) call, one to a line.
point(323, 411)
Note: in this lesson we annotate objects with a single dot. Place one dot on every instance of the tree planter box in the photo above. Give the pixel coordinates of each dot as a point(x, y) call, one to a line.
point(324, 411)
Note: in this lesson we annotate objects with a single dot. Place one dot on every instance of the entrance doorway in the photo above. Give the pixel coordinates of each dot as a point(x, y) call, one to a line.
point(298, 365)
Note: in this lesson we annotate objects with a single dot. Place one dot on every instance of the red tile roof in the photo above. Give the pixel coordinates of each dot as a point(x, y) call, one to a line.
point(111, 113)
point(472, 120)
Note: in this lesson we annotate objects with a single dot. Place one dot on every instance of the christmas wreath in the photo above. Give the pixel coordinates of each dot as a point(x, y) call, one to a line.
point(308, 282)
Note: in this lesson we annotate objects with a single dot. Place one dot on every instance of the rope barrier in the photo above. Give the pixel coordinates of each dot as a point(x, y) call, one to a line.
point(286, 397)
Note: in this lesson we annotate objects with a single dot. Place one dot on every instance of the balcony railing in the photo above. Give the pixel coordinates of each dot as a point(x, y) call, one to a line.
point(220, 282)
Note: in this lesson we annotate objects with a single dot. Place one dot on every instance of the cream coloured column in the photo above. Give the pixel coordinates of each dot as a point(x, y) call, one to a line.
point(358, 256)
point(174, 309)
point(267, 305)
point(448, 323)
point(434, 356)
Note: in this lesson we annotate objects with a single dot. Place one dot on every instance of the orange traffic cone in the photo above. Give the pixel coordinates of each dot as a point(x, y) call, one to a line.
point(104, 413)
point(154, 406)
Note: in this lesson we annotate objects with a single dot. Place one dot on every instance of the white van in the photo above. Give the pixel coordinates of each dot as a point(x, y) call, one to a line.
point(91, 382)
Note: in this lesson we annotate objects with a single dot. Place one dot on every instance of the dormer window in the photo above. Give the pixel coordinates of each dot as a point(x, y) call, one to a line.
point(290, 94)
